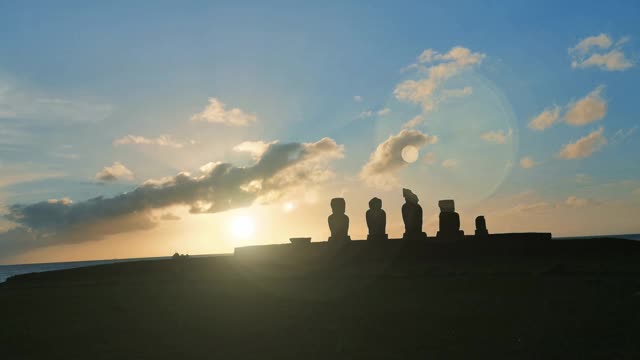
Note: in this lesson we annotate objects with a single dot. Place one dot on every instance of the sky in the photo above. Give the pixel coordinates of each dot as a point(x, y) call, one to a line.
point(133, 129)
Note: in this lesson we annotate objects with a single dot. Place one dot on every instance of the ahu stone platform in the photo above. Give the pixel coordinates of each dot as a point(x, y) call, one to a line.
point(495, 245)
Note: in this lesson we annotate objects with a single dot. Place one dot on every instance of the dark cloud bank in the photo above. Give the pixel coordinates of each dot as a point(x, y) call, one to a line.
point(219, 187)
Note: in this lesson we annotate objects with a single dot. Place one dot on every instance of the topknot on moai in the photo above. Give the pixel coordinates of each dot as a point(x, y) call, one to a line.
point(449, 221)
point(412, 217)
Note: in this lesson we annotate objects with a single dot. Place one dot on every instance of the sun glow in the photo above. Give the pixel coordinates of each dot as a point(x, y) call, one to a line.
point(288, 206)
point(242, 227)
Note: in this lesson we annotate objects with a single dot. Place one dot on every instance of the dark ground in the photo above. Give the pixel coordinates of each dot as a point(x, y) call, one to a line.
point(559, 305)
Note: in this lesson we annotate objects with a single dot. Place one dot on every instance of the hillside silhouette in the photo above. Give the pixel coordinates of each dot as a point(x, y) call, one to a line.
point(522, 296)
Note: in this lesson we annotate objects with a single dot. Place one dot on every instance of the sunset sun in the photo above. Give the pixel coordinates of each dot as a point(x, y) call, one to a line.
point(242, 227)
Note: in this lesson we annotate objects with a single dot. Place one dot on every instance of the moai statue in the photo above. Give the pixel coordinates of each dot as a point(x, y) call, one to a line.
point(412, 217)
point(376, 221)
point(481, 228)
point(449, 221)
point(338, 221)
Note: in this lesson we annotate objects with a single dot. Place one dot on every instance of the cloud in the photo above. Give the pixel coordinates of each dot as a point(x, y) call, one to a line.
point(611, 61)
point(370, 113)
point(387, 157)
point(601, 41)
point(435, 69)
point(583, 178)
point(527, 162)
point(255, 148)
point(169, 217)
point(215, 112)
point(449, 163)
point(162, 140)
point(282, 168)
point(383, 112)
point(415, 121)
point(584, 147)
point(545, 119)
point(451, 93)
point(588, 109)
point(622, 135)
point(10, 175)
point(357, 98)
point(590, 52)
point(534, 207)
point(429, 158)
point(115, 172)
point(498, 136)
point(19, 102)
point(577, 202)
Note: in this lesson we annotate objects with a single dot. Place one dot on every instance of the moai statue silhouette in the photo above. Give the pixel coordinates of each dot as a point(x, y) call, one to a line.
point(412, 217)
point(449, 221)
point(481, 228)
point(338, 221)
point(376, 221)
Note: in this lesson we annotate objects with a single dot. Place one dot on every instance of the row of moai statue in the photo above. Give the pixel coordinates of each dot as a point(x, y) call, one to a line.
point(411, 215)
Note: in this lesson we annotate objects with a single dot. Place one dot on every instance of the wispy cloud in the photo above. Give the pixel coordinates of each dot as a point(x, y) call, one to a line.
point(357, 98)
point(623, 135)
point(216, 112)
point(591, 108)
point(583, 147)
point(10, 175)
point(162, 140)
point(24, 103)
point(588, 109)
point(597, 51)
point(435, 68)
point(576, 202)
point(527, 162)
point(370, 113)
point(498, 136)
point(545, 119)
point(449, 163)
point(430, 158)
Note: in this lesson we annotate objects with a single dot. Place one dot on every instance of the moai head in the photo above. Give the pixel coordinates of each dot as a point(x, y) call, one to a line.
point(447, 205)
point(375, 204)
point(409, 196)
point(338, 205)
point(481, 224)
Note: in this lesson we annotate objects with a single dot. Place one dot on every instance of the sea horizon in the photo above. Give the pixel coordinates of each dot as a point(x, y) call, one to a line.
point(9, 270)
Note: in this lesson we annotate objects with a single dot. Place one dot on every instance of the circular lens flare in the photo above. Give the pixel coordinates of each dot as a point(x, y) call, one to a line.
point(409, 154)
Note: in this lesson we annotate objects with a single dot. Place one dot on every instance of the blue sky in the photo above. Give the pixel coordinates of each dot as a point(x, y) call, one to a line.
point(77, 78)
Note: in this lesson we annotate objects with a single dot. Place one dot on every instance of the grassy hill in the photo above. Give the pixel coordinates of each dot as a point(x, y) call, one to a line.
point(559, 304)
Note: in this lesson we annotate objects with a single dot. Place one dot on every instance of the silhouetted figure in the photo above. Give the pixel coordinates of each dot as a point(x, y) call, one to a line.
point(376, 220)
point(449, 221)
point(412, 217)
point(338, 221)
point(481, 228)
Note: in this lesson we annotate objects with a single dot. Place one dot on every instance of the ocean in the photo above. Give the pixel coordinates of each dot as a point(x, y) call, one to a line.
point(7, 271)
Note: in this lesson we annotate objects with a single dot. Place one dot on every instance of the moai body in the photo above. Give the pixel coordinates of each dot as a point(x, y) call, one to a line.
point(481, 228)
point(338, 221)
point(376, 221)
point(449, 221)
point(412, 217)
